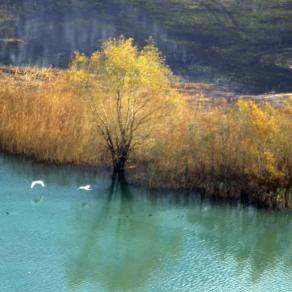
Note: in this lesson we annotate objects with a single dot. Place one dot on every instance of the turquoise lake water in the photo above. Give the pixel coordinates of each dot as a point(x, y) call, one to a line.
point(121, 238)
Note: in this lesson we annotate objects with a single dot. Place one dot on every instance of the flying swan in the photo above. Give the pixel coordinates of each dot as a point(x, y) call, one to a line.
point(85, 188)
point(37, 182)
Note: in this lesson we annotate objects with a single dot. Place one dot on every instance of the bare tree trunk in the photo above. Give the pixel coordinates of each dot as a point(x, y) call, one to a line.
point(119, 162)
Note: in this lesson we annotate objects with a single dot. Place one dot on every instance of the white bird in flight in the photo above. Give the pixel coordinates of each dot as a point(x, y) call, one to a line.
point(85, 188)
point(37, 182)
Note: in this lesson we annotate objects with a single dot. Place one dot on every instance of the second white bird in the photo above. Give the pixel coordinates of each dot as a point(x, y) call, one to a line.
point(85, 188)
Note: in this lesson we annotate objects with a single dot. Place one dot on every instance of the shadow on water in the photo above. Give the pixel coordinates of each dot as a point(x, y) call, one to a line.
point(121, 244)
point(256, 239)
point(126, 239)
point(118, 237)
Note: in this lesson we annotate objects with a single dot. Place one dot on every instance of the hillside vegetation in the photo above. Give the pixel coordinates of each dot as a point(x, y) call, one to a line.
point(245, 44)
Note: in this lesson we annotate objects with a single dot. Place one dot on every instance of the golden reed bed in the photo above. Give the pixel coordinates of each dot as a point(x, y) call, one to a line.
point(228, 149)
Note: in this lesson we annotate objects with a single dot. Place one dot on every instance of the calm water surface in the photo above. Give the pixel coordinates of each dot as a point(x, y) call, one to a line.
point(118, 238)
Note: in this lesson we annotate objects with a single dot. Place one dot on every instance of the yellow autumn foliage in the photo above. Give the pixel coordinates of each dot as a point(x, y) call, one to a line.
point(129, 95)
point(245, 147)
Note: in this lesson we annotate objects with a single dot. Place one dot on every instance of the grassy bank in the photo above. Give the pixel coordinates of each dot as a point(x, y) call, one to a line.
point(238, 150)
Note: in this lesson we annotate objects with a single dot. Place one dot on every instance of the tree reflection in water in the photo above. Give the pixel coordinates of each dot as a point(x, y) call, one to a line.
point(123, 238)
point(121, 241)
